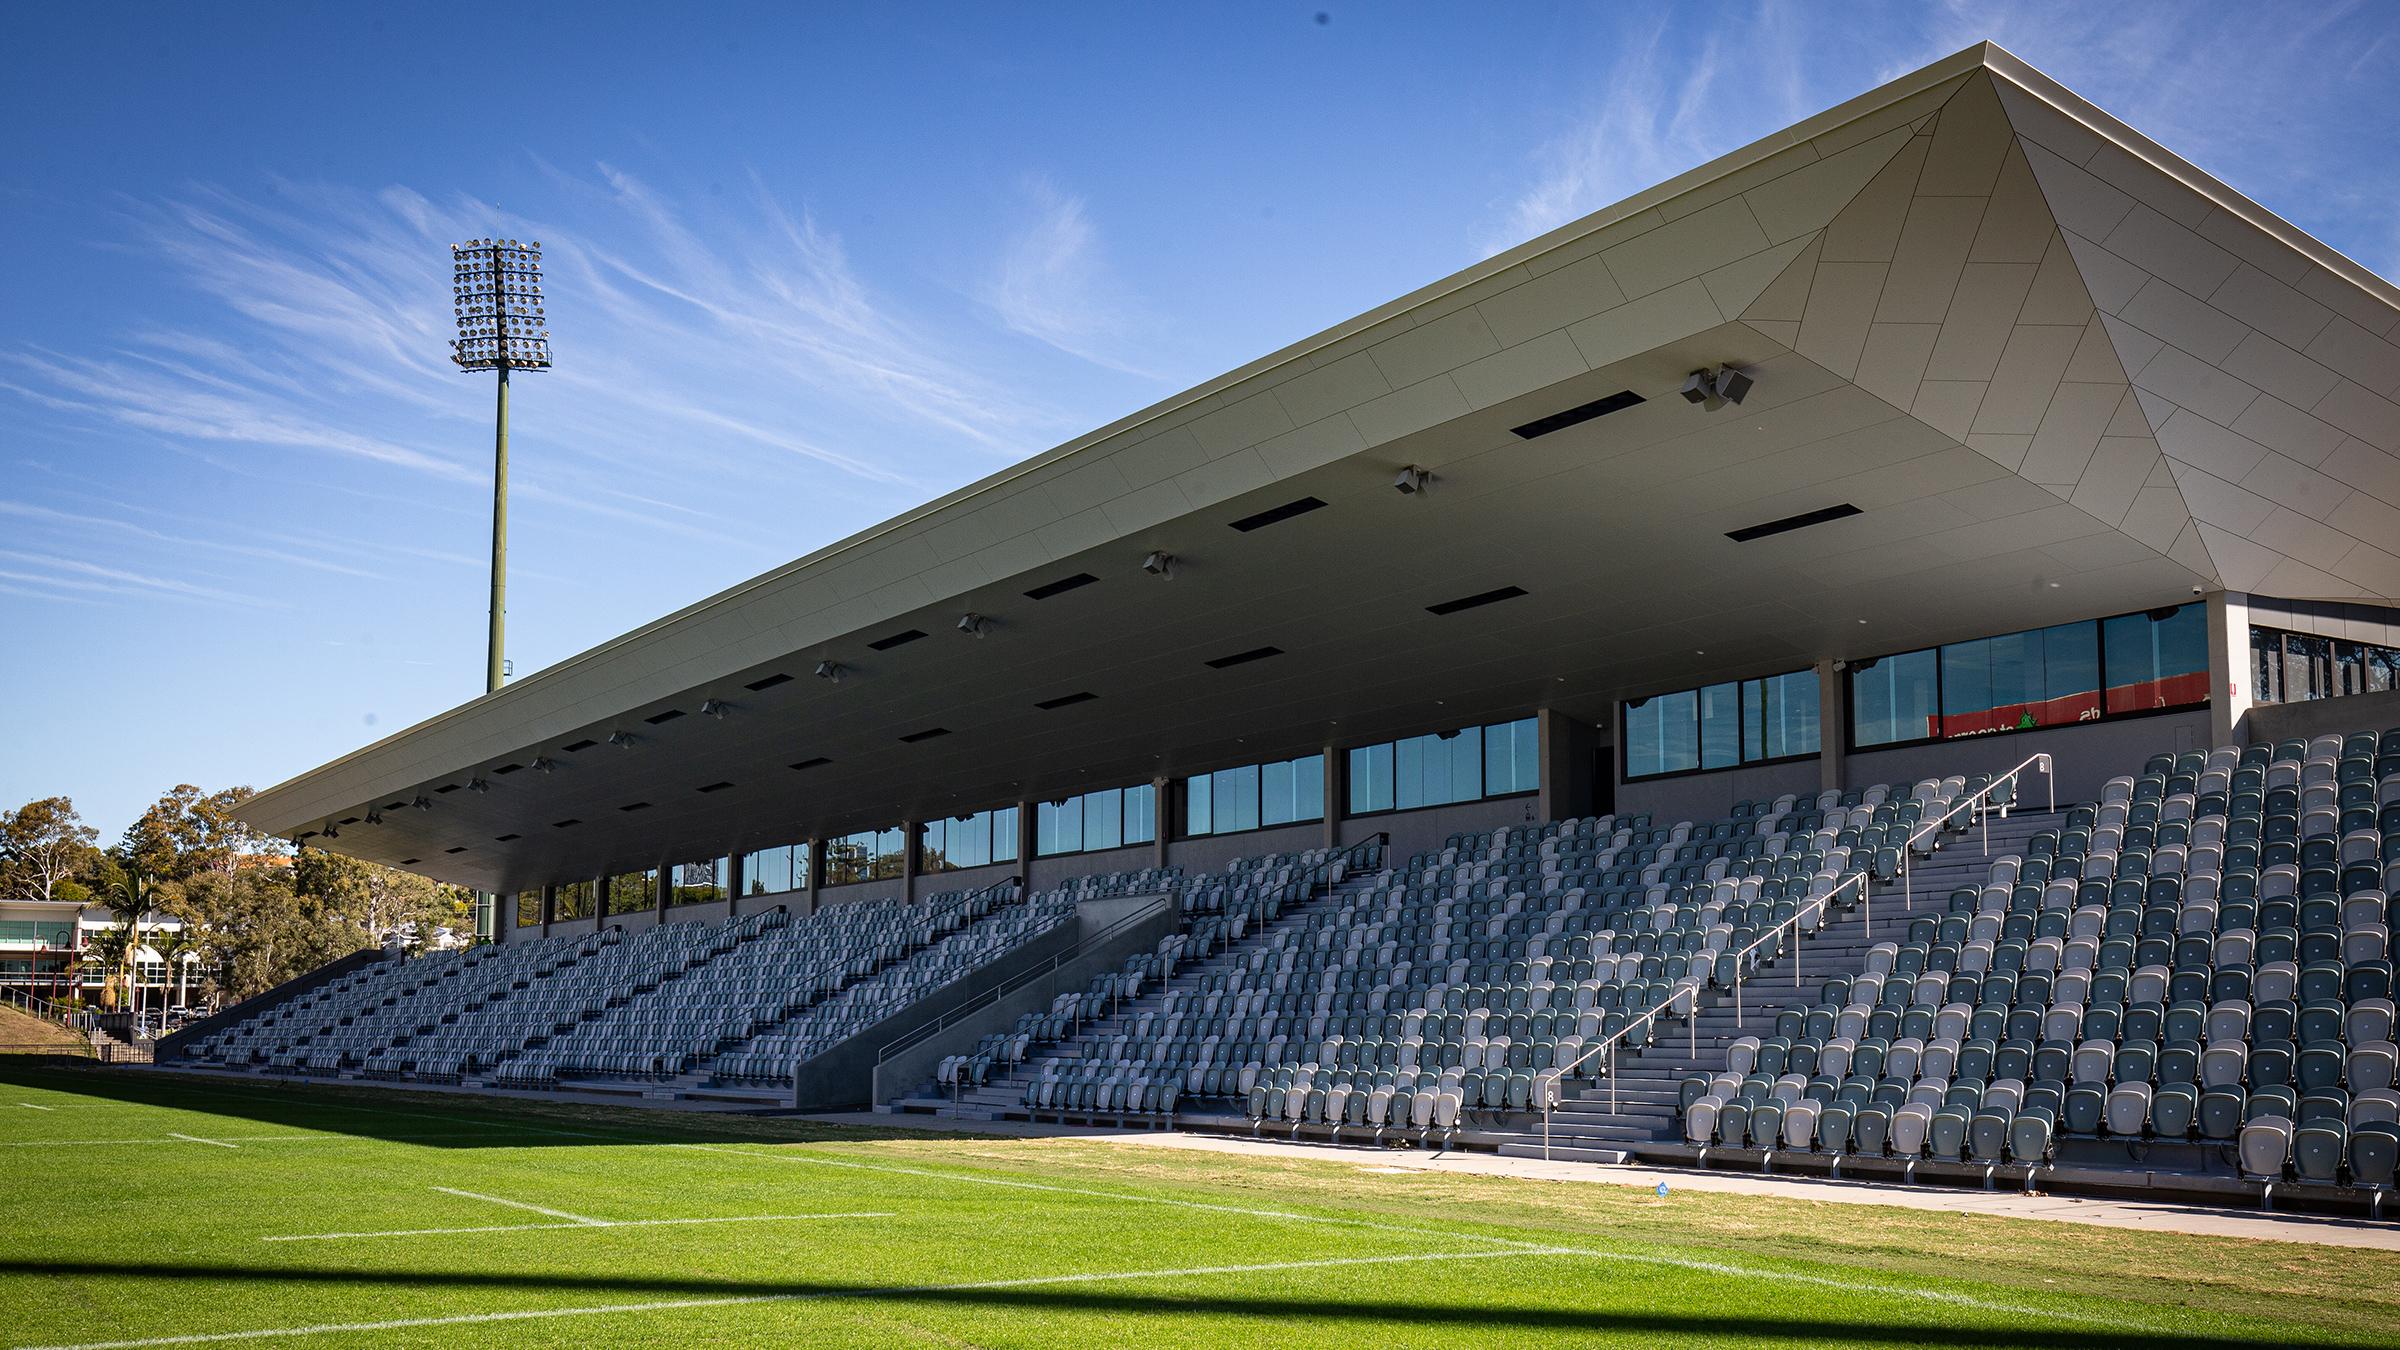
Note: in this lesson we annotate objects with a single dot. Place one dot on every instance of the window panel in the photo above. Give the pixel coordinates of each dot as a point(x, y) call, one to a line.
point(1892, 699)
point(2157, 659)
point(696, 883)
point(1789, 715)
point(1141, 814)
point(1199, 816)
point(1104, 819)
point(633, 892)
point(571, 900)
point(1234, 796)
point(771, 871)
point(529, 908)
point(1720, 726)
point(1006, 827)
point(1512, 757)
point(1371, 778)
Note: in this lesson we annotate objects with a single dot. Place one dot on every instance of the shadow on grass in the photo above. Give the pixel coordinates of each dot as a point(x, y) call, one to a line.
point(427, 1117)
point(1094, 1300)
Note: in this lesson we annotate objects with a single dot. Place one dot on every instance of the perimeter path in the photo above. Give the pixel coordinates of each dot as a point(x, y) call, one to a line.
point(2320, 1230)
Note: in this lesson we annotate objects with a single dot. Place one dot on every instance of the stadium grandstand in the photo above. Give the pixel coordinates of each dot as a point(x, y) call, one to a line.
point(1876, 656)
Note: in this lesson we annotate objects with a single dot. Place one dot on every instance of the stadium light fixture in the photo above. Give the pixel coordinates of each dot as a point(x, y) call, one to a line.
point(1412, 480)
point(503, 325)
point(1714, 388)
point(1160, 564)
point(973, 625)
point(832, 671)
point(715, 707)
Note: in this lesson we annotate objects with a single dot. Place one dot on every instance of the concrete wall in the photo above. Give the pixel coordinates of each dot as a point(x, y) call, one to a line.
point(1704, 796)
point(1422, 831)
point(2325, 716)
point(2084, 756)
point(1046, 873)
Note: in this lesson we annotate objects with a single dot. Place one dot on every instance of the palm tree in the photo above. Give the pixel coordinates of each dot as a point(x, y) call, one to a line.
point(173, 946)
point(128, 897)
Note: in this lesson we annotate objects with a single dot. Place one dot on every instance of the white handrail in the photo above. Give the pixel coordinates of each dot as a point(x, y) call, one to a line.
point(1547, 1084)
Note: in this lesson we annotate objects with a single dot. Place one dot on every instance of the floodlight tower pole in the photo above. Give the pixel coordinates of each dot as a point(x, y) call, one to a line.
point(493, 665)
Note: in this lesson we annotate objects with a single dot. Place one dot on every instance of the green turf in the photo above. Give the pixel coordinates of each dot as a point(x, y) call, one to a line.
point(1003, 1242)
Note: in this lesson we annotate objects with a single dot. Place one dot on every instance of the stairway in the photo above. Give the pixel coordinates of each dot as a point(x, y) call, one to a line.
point(1602, 1121)
point(1003, 1098)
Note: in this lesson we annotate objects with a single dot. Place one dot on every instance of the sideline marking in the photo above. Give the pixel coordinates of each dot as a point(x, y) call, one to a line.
point(31, 1107)
point(520, 1204)
point(196, 1139)
point(741, 1300)
point(570, 1227)
point(1942, 1296)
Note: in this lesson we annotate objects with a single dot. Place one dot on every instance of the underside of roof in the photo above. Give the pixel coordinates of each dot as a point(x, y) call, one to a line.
point(2056, 371)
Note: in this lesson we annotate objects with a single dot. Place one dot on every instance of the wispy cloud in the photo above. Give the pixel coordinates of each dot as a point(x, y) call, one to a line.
point(1054, 285)
point(77, 574)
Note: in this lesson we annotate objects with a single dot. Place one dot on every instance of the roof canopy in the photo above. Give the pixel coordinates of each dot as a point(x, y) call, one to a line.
point(2056, 371)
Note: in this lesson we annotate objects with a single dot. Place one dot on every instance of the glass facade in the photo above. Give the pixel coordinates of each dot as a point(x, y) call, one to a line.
point(1109, 818)
point(2044, 677)
point(698, 883)
point(977, 840)
point(1719, 726)
point(1465, 765)
point(571, 900)
point(2298, 667)
point(633, 892)
point(770, 871)
point(1254, 796)
point(529, 908)
point(869, 855)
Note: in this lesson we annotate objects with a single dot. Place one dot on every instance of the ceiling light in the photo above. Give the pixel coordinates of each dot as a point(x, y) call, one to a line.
point(332, 831)
point(623, 740)
point(544, 764)
point(1714, 388)
point(422, 802)
point(831, 670)
point(715, 707)
point(476, 784)
point(1160, 564)
point(1412, 480)
point(973, 625)
point(374, 817)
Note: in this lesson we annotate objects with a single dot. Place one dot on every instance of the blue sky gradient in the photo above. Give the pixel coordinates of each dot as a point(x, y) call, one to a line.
point(809, 267)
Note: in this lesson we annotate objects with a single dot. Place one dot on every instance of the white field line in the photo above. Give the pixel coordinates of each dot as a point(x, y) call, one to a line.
point(1632, 1258)
point(196, 1139)
point(584, 1220)
point(31, 1107)
point(577, 1227)
point(235, 1138)
point(743, 1300)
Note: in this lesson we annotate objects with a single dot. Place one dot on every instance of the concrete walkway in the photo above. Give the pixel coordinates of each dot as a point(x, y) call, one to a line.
point(2158, 1218)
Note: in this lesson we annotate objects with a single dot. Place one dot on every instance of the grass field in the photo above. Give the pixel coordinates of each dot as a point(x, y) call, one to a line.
point(149, 1209)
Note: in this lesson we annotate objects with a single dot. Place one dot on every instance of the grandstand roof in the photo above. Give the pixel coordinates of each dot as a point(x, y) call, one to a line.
point(2058, 371)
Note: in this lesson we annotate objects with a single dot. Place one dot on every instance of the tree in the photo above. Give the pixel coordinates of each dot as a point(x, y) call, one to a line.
point(109, 945)
point(130, 897)
point(43, 844)
point(255, 930)
point(188, 831)
point(385, 904)
point(174, 946)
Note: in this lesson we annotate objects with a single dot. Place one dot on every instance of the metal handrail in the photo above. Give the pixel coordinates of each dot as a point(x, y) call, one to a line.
point(1609, 1045)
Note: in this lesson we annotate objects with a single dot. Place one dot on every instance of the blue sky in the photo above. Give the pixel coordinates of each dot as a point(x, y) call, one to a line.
point(809, 266)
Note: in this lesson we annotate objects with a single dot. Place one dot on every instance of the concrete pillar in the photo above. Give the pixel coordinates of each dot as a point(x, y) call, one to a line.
point(662, 889)
point(1025, 841)
point(2229, 666)
point(1337, 794)
point(549, 908)
point(733, 882)
point(912, 841)
point(816, 872)
point(1833, 724)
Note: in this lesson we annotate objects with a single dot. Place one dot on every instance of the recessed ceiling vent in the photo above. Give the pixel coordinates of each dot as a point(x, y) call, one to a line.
point(1478, 601)
point(1066, 701)
point(1790, 523)
point(1244, 658)
point(716, 787)
point(506, 838)
point(927, 734)
point(900, 639)
point(1276, 514)
point(1060, 586)
point(635, 806)
point(460, 849)
point(572, 747)
point(1580, 413)
point(669, 715)
point(567, 824)
point(755, 686)
point(819, 762)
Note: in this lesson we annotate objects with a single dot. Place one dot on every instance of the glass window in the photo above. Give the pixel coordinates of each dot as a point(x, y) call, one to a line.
point(571, 900)
point(2045, 677)
point(1371, 778)
point(2266, 665)
point(1720, 726)
point(633, 892)
point(1141, 814)
point(1662, 734)
point(771, 871)
point(2297, 667)
point(529, 909)
point(868, 855)
point(1104, 819)
point(1512, 757)
point(1058, 827)
point(697, 883)
point(2157, 659)
point(1892, 699)
point(1788, 716)
point(1252, 796)
point(1234, 793)
point(976, 840)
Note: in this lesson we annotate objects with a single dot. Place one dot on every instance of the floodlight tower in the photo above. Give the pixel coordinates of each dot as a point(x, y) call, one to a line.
point(496, 292)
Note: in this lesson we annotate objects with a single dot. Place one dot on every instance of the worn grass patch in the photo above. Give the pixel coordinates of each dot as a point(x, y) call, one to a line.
point(21, 1034)
point(208, 1211)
